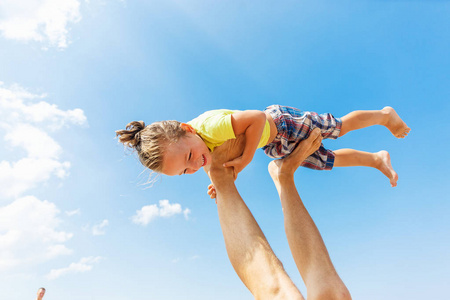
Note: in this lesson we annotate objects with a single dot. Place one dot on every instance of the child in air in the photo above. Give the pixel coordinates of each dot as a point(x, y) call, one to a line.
point(175, 148)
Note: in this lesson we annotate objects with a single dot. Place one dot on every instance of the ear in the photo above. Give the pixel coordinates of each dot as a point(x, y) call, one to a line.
point(187, 128)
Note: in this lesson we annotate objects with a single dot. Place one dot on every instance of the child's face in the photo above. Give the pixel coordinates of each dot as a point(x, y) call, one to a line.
point(186, 156)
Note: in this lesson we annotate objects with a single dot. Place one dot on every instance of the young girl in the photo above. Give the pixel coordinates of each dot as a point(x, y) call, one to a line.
point(174, 148)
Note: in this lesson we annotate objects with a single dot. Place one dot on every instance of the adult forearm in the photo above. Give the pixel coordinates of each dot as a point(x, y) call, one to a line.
point(248, 250)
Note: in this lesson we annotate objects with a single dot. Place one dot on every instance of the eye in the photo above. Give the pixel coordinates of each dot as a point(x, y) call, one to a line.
point(189, 158)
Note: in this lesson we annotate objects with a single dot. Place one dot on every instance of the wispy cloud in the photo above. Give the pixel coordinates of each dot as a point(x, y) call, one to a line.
point(176, 260)
point(73, 212)
point(84, 265)
point(186, 213)
point(179, 259)
point(45, 21)
point(99, 229)
point(165, 210)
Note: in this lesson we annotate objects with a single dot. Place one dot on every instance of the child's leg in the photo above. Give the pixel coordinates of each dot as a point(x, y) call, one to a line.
point(364, 118)
point(379, 160)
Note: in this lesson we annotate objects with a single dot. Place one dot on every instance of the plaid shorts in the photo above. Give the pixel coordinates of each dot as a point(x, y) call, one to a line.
point(294, 126)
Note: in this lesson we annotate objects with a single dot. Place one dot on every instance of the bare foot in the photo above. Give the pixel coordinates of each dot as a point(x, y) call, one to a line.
point(386, 168)
point(395, 124)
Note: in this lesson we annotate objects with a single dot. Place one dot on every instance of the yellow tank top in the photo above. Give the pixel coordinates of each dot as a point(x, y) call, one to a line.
point(215, 128)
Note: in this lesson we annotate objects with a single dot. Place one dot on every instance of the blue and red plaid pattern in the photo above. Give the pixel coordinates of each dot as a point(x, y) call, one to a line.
point(294, 126)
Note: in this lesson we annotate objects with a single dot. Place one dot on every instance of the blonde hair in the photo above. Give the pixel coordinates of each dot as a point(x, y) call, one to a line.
point(150, 141)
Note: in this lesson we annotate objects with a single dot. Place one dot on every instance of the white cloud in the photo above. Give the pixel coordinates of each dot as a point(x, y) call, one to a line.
point(17, 106)
point(27, 173)
point(149, 212)
point(30, 228)
point(84, 265)
point(146, 214)
point(34, 141)
point(73, 212)
point(29, 233)
point(98, 229)
point(26, 125)
point(167, 210)
point(45, 21)
point(176, 260)
point(186, 213)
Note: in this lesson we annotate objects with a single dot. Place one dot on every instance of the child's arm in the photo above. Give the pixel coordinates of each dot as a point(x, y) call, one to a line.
point(251, 123)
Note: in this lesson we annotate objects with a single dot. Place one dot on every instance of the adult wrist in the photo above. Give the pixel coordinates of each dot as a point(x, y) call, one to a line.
point(219, 175)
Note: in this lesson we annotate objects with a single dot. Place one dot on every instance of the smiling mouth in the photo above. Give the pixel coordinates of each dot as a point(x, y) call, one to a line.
point(203, 160)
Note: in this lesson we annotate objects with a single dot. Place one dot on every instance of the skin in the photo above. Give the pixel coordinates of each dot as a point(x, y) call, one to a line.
point(250, 123)
point(248, 249)
point(40, 294)
point(307, 246)
point(187, 155)
point(381, 160)
point(190, 153)
point(355, 120)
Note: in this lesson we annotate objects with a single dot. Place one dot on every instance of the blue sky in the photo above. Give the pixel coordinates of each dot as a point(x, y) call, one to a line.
point(74, 71)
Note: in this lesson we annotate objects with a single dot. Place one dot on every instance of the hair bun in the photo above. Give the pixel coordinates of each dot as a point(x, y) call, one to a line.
point(131, 136)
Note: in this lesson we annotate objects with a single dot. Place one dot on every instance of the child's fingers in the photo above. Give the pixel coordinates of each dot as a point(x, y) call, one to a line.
point(235, 166)
point(211, 191)
point(235, 174)
point(212, 194)
point(230, 163)
point(233, 162)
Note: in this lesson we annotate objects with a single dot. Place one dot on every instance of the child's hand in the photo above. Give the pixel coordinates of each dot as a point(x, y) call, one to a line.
point(238, 164)
point(212, 192)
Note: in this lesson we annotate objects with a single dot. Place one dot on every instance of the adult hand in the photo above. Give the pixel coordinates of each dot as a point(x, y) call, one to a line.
point(311, 144)
point(224, 153)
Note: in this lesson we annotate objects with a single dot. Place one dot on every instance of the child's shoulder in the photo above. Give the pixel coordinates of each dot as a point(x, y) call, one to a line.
point(221, 111)
point(213, 120)
point(214, 114)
